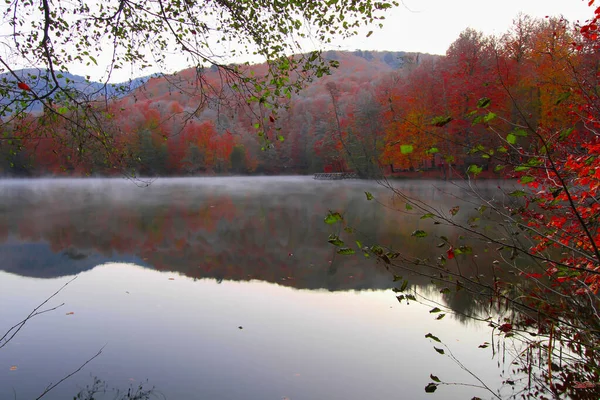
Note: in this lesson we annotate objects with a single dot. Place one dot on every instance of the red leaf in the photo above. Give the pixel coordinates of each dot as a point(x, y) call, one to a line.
point(271, 118)
point(533, 275)
point(450, 253)
point(505, 327)
point(23, 85)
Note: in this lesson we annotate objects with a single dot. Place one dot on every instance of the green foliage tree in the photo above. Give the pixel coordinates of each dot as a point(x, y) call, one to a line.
point(238, 160)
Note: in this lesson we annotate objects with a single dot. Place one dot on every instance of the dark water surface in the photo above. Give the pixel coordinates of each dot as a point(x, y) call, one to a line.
point(167, 275)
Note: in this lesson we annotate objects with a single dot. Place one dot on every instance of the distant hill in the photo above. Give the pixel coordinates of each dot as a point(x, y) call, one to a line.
point(196, 122)
point(359, 67)
point(40, 81)
point(370, 62)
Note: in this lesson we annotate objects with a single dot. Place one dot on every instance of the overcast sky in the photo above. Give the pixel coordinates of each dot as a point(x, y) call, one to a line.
point(430, 26)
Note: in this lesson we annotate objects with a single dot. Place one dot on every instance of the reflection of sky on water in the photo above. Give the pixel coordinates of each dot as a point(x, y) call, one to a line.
point(238, 249)
point(184, 337)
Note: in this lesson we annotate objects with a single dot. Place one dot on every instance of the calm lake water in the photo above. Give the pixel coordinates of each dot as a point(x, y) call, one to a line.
point(221, 288)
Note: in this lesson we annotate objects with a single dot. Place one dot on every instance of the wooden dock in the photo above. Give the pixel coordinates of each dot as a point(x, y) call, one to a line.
point(335, 175)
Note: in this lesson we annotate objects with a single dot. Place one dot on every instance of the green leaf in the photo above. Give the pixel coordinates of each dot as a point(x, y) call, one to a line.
point(483, 102)
point(432, 337)
point(474, 169)
point(565, 134)
point(333, 217)
point(535, 162)
point(434, 310)
point(406, 148)
point(477, 120)
point(520, 132)
point(433, 150)
point(404, 286)
point(408, 206)
point(511, 138)
point(527, 179)
point(440, 316)
point(562, 97)
point(370, 33)
point(441, 121)
point(441, 351)
point(490, 116)
point(428, 215)
point(369, 196)
point(499, 168)
point(464, 249)
point(280, 138)
point(430, 388)
point(345, 251)
point(376, 249)
point(419, 233)
point(335, 240)
point(521, 168)
point(434, 378)
point(517, 193)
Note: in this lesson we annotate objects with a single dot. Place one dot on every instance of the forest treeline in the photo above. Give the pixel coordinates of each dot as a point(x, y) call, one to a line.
point(378, 112)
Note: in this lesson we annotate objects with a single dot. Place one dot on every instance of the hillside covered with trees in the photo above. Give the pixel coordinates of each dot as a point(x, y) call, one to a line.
point(376, 112)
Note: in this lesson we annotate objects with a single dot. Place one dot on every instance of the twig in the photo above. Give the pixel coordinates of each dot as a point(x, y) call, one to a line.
point(50, 387)
point(10, 334)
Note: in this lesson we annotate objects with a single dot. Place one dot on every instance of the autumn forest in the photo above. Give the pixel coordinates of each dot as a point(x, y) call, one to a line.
point(378, 112)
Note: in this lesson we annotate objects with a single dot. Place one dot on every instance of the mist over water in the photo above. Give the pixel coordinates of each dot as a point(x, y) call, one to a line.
point(168, 273)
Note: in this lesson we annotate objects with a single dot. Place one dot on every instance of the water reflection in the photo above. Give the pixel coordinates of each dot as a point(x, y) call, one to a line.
point(226, 229)
point(223, 242)
point(183, 336)
point(236, 229)
point(268, 229)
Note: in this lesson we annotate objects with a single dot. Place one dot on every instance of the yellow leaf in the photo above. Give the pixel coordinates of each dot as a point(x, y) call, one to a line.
point(13, 368)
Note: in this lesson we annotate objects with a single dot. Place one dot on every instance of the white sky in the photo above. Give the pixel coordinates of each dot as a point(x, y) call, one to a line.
point(428, 26)
point(433, 25)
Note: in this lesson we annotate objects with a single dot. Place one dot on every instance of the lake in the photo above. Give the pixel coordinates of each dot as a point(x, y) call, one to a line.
point(222, 288)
